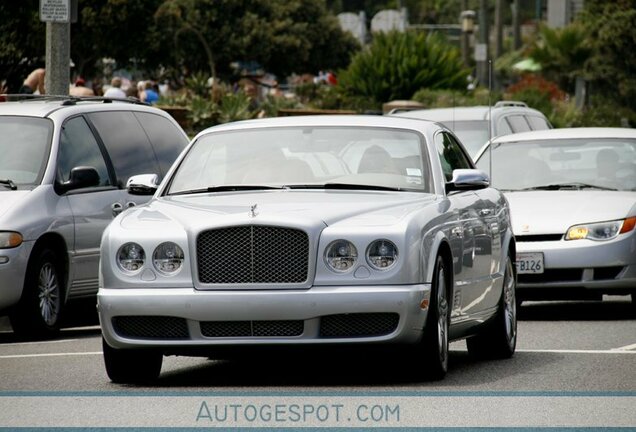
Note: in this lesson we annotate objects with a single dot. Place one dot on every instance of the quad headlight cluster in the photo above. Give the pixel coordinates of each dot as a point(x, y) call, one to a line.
point(167, 258)
point(601, 231)
point(342, 255)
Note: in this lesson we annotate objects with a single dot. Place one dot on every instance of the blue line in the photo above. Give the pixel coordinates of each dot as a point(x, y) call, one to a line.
point(372, 393)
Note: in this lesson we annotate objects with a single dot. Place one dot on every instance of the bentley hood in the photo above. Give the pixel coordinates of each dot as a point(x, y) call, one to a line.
point(324, 208)
point(553, 212)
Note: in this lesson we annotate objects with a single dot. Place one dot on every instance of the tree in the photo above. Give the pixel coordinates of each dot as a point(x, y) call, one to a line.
point(396, 65)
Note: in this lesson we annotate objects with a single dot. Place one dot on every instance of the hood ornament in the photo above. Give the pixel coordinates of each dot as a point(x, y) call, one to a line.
point(253, 212)
point(525, 228)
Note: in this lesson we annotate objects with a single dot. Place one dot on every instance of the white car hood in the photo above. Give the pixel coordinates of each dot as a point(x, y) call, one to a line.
point(366, 208)
point(553, 212)
point(9, 198)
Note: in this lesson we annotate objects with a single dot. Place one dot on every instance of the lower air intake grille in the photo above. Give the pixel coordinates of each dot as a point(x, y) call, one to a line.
point(151, 327)
point(553, 275)
point(221, 329)
point(358, 325)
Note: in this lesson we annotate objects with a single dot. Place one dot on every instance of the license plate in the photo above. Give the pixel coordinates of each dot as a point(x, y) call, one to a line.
point(530, 263)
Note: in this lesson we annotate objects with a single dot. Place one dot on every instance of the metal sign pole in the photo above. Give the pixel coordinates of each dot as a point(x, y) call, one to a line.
point(57, 15)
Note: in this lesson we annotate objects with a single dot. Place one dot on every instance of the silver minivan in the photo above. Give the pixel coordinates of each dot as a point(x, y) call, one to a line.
point(64, 164)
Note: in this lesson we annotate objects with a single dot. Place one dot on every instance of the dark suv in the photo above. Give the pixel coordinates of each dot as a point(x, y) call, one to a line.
point(64, 164)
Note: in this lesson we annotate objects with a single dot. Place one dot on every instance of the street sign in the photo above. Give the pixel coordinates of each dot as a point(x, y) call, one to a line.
point(55, 11)
point(481, 52)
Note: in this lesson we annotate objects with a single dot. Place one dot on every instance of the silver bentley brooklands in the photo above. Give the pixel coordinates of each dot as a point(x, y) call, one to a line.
point(327, 231)
point(572, 194)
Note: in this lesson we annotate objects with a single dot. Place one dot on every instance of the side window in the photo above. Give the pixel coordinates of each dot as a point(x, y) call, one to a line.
point(503, 128)
point(518, 123)
point(78, 147)
point(450, 154)
point(538, 123)
point(166, 139)
point(127, 144)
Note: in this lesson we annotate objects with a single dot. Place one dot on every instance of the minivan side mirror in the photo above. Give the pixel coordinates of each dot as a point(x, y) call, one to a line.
point(143, 184)
point(467, 179)
point(81, 177)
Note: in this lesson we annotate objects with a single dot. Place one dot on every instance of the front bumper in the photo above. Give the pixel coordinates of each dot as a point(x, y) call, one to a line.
point(152, 315)
point(586, 266)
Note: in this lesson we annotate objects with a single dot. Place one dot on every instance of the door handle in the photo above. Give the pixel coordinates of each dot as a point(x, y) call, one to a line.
point(116, 208)
point(130, 204)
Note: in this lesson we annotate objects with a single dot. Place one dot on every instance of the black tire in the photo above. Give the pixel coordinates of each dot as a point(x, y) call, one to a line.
point(38, 314)
point(432, 353)
point(498, 339)
point(131, 366)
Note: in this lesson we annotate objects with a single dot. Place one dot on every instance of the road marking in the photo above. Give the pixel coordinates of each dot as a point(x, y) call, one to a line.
point(38, 343)
point(572, 351)
point(51, 355)
point(626, 348)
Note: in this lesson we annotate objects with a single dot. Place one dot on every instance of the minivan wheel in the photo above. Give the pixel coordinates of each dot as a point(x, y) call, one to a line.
point(131, 366)
point(39, 311)
point(498, 339)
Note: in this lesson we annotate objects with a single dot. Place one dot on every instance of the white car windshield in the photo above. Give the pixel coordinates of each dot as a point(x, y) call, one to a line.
point(24, 150)
point(299, 157)
point(563, 164)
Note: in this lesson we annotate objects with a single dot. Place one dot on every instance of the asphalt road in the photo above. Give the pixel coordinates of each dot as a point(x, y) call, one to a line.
point(576, 358)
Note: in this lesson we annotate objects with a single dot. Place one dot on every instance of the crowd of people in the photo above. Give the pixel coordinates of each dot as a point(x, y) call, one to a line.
point(119, 88)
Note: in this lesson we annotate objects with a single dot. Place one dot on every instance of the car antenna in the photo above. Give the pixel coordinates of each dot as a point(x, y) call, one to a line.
point(490, 119)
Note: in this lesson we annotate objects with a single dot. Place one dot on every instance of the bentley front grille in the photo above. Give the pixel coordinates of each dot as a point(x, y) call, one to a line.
point(358, 325)
point(151, 327)
point(253, 254)
point(221, 329)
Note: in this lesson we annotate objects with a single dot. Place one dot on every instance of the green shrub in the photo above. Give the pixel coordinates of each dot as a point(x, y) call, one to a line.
point(397, 64)
point(454, 98)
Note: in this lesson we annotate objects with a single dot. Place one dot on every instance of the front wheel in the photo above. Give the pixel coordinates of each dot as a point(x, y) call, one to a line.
point(38, 314)
point(432, 352)
point(498, 339)
point(131, 366)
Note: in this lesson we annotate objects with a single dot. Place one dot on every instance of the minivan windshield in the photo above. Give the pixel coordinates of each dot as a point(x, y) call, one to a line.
point(25, 144)
point(563, 164)
point(358, 158)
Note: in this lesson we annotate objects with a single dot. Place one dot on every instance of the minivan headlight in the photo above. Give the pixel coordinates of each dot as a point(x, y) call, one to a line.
point(131, 257)
point(10, 239)
point(167, 258)
point(601, 231)
point(382, 254)
point(341, 255)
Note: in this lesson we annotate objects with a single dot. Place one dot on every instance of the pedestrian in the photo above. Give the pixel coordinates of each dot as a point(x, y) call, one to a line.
point(80, 89)
point(115, 90)
point(34, 82)
point(149, 94)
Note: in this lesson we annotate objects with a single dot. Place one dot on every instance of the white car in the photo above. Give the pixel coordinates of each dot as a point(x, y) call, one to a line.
point(310, 231)
point(471, 124)
point(572, 194)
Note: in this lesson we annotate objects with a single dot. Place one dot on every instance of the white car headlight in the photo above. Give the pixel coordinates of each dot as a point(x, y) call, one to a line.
point(382, 254)
point(167, 258)
point(341, 255)
point(601, 231)
point(131, 258)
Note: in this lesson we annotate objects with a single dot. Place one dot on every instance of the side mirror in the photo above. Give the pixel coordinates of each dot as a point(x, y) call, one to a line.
point(143, 184)
point(81, 177)
point(467, 179)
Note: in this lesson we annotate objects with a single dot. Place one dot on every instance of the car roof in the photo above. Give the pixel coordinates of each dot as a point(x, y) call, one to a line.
point(479, 112)
point(45, 106)
point(327, 120)
point(567, 133)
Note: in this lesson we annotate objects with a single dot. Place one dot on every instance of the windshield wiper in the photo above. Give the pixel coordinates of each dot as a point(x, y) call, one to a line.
point(573, 185)
point(10, 183)
point(350, 186)
point(226, 188)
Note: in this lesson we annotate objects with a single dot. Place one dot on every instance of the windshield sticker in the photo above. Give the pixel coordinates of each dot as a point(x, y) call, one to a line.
point(414, 172)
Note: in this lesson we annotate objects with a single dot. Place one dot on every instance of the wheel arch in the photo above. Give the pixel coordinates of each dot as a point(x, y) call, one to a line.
point(55, 243)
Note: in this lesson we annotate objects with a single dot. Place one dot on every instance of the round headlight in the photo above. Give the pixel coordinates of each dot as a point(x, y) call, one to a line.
point(131, 257)
point(382, 254)
point(167, 258)
point(341, 255)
